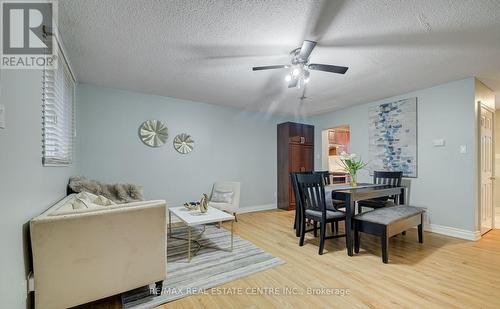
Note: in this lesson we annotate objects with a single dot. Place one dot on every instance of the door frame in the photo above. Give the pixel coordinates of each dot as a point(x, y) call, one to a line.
point(325, 143)
point(324, 149)
point(481, 106)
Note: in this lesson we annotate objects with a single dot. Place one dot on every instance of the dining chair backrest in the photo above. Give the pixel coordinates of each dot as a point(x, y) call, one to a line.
point(387, 178)
point(325, 175)
point(311, 192)
point(295, 188)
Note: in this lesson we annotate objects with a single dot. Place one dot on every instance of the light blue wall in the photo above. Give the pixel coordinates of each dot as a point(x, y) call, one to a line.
point(446, 178)
point(26, 187)
point(229, 145)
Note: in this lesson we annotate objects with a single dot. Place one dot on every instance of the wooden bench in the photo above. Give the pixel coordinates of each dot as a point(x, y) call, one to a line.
point(387, 222)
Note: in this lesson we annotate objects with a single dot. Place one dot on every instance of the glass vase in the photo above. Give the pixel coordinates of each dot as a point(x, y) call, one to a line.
point(353, 180)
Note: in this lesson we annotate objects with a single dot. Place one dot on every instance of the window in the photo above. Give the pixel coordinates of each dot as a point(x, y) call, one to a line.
point(58, 121)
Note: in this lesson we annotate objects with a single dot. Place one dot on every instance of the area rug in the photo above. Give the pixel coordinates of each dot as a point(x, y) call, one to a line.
point(210, 267)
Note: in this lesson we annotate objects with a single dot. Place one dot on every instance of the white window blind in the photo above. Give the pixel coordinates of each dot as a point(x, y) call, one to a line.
point(58, 121)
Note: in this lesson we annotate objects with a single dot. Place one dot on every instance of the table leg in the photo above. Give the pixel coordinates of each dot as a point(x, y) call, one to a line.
point(349, 211)
point(402, 196)
point(232, 235)
point(189, 244)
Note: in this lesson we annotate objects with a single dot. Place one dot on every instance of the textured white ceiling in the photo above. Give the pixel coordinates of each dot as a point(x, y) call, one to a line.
point(204, 50)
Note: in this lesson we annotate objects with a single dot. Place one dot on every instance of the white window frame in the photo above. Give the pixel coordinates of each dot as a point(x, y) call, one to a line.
point(58, 112)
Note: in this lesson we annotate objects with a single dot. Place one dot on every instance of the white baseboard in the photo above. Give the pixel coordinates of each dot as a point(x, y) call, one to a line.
point(257, 208)
point(453, 232)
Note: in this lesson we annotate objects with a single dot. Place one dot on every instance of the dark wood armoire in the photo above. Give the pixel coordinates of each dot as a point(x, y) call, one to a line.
point(295, 154)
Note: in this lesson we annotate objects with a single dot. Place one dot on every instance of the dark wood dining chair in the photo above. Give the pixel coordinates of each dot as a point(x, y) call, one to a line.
point(325, 175)
point(386, 178)
point(296, 224)
point(336, 204)
point(312, 203)
point(297, 220)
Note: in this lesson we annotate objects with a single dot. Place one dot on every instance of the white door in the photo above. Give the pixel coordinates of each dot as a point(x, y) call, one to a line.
point(487, 177)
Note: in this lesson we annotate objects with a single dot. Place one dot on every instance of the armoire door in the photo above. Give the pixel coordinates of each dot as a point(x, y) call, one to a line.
point(301, 159)
point(308, 158)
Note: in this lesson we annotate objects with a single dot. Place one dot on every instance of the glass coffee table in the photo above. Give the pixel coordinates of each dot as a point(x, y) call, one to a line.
point(193, 218)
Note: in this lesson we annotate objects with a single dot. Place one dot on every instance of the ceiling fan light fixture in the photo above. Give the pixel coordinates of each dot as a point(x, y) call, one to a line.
point(298, 69)
point(306, 76)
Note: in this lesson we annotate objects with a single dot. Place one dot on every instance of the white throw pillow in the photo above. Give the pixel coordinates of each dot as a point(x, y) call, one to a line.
point(83, 200)
point(222, 197)
point(86, 196)
point(103, 201)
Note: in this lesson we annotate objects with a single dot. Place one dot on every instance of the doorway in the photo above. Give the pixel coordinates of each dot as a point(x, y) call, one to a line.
point(335, 141)
point(487, 165)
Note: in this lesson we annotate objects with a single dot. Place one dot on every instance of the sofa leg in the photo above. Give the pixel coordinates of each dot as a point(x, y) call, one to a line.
point(235, 218)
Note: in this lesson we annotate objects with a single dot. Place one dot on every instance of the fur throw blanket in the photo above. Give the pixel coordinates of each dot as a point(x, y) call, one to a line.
point(119, 193)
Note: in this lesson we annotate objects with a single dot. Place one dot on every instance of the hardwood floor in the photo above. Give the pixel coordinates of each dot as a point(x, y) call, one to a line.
point(442, 272)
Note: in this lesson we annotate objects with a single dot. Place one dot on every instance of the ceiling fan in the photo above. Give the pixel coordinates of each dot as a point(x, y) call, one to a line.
point(299, 66)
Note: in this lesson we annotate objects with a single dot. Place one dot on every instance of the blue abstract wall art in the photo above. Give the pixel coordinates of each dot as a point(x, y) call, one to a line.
point(393, 137)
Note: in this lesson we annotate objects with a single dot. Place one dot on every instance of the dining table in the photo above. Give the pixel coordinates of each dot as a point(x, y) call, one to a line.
point(362, 191)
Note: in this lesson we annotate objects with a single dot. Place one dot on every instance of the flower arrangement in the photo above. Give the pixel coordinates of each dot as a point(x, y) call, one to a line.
point(352, 165)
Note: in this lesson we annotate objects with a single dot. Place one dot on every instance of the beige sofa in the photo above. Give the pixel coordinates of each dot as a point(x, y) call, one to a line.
point(87, 254)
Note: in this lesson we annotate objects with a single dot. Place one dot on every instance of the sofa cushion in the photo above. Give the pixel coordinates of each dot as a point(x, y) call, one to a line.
point(65, 207)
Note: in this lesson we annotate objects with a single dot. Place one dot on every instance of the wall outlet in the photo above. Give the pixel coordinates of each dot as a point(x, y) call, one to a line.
point(438, 142)
point(463, 148)
point(2, 116)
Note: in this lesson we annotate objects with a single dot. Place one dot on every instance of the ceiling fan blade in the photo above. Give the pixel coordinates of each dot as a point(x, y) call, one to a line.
point(293, 82)
point(306, 49)
point(270, 67)
point(328, 68)
point(324, 15)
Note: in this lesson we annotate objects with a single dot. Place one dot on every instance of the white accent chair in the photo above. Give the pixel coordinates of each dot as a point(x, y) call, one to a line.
point(226, 186)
